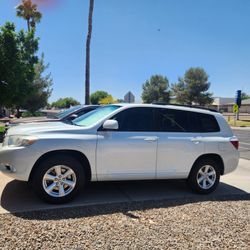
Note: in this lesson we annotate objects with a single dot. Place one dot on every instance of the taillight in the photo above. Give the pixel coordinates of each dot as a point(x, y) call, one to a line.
point(235, 143)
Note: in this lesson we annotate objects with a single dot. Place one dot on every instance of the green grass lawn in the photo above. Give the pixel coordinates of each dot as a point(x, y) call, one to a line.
point(240, 123)
point(1, 128)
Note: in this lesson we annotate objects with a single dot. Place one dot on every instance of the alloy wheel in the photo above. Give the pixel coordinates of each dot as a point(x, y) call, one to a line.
point(206, 177)
point(59, 181)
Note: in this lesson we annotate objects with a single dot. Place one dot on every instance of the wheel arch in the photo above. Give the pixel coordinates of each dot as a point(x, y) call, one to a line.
point(213, 156)
point(73, 153)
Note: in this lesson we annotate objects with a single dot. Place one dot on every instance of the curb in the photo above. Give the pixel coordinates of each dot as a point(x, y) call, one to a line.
point(241, 128)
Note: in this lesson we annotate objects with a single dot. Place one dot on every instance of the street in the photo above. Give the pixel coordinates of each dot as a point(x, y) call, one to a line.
point(244, 138)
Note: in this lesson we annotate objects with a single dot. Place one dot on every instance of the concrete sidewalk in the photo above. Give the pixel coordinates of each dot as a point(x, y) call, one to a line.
point(16, 196)
point(241, 128)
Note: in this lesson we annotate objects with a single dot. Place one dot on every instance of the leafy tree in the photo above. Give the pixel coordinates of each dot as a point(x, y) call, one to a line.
point(97, 96)
point(156, 89)
point(66, 102)
point(17, 60)
point(28, 11)
point(41, 88)
point(107, 100)
point(193, 88)
point(87, 66)
point(120, 101)
point(244, 96)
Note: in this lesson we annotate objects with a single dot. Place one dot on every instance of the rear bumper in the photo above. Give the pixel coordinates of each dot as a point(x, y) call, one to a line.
point(231, 161)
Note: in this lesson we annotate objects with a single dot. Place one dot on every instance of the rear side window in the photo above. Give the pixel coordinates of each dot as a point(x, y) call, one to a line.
point(171, 120)
point(208, 123)
point(135, 119)
point(202, 123)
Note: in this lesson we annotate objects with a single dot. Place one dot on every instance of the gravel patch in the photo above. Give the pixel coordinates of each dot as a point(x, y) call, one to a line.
point(137, 225)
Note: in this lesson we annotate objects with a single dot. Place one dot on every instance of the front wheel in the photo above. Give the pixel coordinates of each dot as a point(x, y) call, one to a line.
point(58, 179)
point(204, 176)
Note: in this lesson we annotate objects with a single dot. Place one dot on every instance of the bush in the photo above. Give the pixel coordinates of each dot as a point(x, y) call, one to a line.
point(29, 114)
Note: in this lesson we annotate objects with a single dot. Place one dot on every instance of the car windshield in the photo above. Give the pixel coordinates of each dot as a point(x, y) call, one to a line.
point(94, 116)
point(66, 112)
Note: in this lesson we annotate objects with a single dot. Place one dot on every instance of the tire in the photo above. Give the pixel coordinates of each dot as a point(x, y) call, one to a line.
point(58, 179)
point(204, 176)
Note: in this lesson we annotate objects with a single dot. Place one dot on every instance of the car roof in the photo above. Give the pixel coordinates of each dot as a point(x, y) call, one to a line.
point(171, 106)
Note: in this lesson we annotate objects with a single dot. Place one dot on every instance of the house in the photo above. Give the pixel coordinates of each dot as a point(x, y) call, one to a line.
point(222, 103)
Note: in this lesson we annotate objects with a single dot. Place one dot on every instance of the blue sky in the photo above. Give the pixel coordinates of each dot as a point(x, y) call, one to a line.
point(134, 39)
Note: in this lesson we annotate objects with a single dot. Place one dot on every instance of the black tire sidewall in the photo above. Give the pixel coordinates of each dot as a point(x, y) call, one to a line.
point(192, 179)
point(45, 165)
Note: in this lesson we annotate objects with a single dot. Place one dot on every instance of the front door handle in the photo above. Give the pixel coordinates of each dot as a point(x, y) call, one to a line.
point(151, 139)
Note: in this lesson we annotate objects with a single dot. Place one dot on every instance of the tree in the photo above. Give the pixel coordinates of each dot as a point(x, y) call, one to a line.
point(28, 11)
point(107, 100)
point(120, 100)
point(193, 88)
point(156, 89)
point(41, 88)
point(66, 102)
point(244, 96)
point(97, 96)
point(87, 69)
point(17, 60)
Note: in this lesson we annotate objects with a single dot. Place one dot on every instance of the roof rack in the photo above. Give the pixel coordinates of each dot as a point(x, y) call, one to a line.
point(187, 106)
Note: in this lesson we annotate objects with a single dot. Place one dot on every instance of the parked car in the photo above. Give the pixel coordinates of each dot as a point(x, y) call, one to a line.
point(65, 116)
point(121, 142)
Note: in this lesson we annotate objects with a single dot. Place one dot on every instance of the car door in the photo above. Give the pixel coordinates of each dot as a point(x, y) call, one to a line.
point(128, 153)
point(179, 145)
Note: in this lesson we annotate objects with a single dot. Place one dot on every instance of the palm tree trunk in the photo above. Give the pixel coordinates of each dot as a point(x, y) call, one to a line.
point(87, 66)
point(28, 24)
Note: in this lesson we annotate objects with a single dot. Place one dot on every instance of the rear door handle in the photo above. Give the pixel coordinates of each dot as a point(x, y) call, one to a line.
point(196, 140)
point(151, 139)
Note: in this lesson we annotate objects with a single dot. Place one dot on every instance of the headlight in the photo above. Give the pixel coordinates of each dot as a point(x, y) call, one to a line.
point(19, 140)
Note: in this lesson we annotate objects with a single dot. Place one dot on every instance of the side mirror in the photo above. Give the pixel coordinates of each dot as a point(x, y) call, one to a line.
point(73, 116)
point(110, 125)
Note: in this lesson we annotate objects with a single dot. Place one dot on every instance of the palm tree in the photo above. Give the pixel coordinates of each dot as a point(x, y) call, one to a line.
point(29, 12)
point(87, 66)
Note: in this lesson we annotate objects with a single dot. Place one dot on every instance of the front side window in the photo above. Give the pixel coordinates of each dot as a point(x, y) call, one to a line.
point(136, 119)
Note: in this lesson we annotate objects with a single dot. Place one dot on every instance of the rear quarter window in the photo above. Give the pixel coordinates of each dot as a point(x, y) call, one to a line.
point(202, 123)
point(208, 123)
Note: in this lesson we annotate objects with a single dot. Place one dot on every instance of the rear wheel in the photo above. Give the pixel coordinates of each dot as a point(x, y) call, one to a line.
point(204, 176)
point(58, 179)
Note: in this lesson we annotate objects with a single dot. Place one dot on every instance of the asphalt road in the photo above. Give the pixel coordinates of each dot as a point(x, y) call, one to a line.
point(244, 138)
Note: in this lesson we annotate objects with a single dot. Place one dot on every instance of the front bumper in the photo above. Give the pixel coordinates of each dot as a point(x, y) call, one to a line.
point(17, 162)
point(7, 169)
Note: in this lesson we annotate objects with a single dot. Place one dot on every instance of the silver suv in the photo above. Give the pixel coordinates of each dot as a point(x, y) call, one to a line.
point(121, 142)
